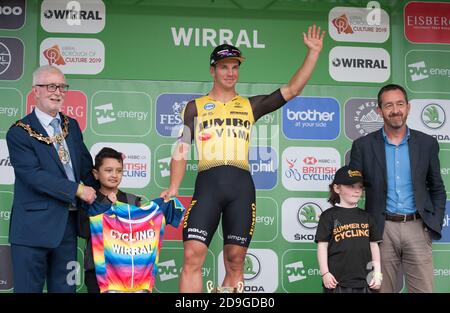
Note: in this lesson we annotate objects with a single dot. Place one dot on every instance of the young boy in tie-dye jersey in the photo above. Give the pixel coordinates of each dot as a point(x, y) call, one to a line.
point(126, 235)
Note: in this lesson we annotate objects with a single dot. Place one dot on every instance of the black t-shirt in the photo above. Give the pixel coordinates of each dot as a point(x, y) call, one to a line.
point(348, 232)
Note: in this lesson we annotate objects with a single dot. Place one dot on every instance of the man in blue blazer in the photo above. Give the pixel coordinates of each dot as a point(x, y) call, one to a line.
point(50, 161)
point(406, 195)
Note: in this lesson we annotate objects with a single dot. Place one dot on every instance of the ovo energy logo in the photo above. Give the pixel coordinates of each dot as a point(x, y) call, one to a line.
point(105, 113)
point(418, 71)
point(295, 271)
point(427, 71)
point(124, 113)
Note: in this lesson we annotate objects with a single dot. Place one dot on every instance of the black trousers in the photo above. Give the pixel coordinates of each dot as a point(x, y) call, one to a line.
point(90, 280)
point(340, 289)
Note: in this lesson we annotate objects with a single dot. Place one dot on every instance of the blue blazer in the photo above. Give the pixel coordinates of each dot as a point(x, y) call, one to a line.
point(42, 191)
point(369, 156)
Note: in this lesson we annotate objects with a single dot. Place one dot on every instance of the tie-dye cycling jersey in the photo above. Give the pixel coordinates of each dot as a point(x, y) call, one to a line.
point(126, 241)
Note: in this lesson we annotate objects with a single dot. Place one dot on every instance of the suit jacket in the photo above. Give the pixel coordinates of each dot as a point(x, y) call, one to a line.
point(369, 156)
point(42, 191)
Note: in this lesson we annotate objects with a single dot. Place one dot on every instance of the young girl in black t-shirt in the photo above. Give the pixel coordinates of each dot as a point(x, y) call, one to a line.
point(348, 252)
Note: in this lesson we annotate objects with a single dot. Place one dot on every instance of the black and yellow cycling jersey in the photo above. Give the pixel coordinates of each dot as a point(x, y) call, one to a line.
point(224, 187)
point(222, 131)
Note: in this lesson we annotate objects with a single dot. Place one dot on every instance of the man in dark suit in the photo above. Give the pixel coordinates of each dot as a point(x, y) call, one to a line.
point(50, 160)
point(406, 195)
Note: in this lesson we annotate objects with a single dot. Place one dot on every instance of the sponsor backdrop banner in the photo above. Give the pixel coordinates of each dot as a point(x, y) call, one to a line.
point(133, 67)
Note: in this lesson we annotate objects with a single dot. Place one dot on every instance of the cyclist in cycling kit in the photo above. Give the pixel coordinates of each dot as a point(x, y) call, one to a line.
point(220, 123)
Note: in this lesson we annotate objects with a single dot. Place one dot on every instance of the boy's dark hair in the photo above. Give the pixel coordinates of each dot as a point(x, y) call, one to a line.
point(107, 153)
point(389, 88)
point(334, 197)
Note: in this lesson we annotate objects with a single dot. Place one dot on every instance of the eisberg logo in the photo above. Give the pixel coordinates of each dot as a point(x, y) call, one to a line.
point(75, 106)
point(73, 16)
point(312, 118)
point(355, 24)
point(12, 14)
point(357, 64)
point(427, 22)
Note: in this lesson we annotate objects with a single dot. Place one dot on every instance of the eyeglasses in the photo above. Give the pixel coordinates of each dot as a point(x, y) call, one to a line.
point(53, 87)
